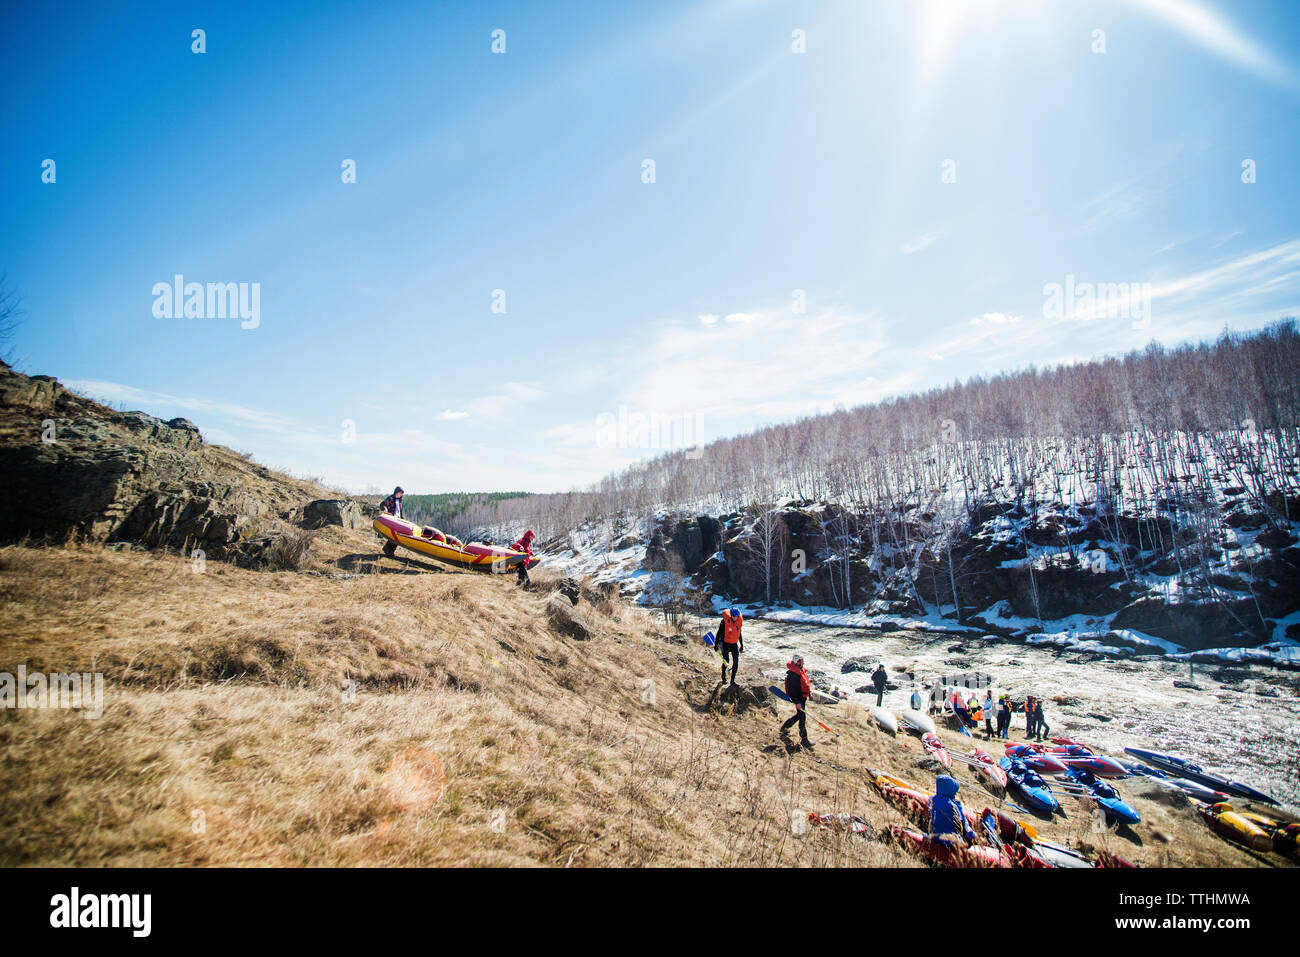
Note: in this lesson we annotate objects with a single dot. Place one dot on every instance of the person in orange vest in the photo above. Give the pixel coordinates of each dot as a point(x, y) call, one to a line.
point(730, 642)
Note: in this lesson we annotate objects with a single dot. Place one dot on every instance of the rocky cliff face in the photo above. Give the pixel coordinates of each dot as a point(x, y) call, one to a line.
point(74, 468)
point(1011, 567)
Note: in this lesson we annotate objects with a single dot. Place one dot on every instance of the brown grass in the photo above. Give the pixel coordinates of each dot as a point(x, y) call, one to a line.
point(280, 718)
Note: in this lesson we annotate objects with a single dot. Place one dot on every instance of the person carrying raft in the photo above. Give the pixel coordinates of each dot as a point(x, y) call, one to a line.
point(947, 816)
point(880, 679)
point(730, 642)
point(393, 504)
point(524, 545)
point(797, 688)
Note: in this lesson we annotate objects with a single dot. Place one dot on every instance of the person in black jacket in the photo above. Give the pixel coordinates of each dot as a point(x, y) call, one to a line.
point(393, 504)
point(1041, 727)
point(798, 687)
point(880, 680)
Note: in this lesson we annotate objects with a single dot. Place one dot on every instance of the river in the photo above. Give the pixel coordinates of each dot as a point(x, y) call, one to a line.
point(1243, 722)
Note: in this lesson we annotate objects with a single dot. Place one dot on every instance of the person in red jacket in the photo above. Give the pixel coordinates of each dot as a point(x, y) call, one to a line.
point(730, 642)
point(524, 545)
point(797, 689)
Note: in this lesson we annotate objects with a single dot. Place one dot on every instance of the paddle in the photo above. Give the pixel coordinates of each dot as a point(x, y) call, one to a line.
point(780, 693)
point(708, 638)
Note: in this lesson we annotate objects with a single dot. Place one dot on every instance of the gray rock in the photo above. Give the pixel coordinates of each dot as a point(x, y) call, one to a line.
point(565, 620)
point(329, 511)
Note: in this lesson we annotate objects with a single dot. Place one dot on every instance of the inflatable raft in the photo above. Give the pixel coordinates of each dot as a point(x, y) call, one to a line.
point(432, 543)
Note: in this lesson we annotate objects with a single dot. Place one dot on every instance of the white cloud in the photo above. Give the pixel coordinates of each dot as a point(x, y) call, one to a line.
point(506, 401)
point(921, 242)
point(995, 319)
point(447, 415)
point(709, 319)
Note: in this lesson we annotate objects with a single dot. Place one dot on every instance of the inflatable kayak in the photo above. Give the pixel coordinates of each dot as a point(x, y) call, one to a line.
point(947, 854)
point(885, 719)
point(984, 763)
point(879, 779)
point(916, 721)
point(432, 543)
point(1192, 772)
point(1085, 760)
point(1034, 759)
point(1033, 789)
point(1087, 784)
point(1227, 821)
point(934, 747)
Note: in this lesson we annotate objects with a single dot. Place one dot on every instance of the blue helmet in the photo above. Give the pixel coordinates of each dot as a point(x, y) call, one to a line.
point(734, 612)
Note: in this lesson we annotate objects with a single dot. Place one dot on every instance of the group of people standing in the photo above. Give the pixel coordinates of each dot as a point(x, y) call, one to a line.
point(1036, 725)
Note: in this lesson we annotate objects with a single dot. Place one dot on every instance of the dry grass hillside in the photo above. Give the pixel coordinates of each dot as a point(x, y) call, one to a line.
point(368, 711)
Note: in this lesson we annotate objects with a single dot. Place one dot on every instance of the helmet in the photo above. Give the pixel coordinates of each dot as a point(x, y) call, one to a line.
point(734, 612)
point(797, 659)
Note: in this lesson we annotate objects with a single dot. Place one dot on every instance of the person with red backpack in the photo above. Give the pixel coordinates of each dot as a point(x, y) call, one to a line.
point(797, 688)
point(730, 642)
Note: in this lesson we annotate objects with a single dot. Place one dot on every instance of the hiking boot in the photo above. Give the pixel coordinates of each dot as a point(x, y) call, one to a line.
point(805, 742)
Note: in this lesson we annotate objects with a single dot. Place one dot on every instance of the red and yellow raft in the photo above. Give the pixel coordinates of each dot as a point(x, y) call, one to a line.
point(429, 541)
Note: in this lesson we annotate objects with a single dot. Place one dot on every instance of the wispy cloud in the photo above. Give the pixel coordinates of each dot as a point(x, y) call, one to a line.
point(921, 242)
point(146, 399)
point(447, 415)
point(1211, 31)
point(508, 398)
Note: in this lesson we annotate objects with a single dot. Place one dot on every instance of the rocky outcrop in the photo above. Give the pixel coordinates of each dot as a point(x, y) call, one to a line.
point(682, 544)
point(333, 511)
point(76, 469)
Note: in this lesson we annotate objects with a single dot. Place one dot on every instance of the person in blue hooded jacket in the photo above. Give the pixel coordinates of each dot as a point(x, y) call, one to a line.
point(947, 817)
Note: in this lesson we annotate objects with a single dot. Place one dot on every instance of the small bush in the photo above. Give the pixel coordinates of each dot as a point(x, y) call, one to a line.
point(290, 550)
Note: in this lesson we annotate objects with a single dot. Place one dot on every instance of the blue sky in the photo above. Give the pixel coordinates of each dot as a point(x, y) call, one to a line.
point(775, 171)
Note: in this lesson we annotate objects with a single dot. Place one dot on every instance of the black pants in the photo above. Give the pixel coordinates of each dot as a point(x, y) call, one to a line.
point(802, 717)
point(732, 652)
point(880, 697)
point(523, 574)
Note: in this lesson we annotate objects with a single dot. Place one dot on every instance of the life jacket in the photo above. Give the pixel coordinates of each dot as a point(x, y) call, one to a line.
point(797, 685)
point(523, 543)
point(731, 627)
